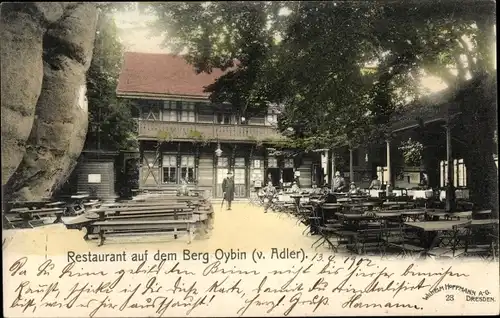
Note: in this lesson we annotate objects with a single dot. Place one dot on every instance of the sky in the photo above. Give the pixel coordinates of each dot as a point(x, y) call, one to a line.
point(135, 36)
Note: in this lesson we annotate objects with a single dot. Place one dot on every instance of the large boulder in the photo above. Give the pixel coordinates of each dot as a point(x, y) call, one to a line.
point(22, 26)
point(58, 133)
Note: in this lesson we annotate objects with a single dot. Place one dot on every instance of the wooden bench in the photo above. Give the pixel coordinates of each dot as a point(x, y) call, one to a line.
point(139, 217)
point(117, 227)
point(14, 221)
point(39, 213)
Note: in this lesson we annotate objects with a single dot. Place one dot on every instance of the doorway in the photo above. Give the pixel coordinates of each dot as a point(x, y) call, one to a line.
point(240, 178)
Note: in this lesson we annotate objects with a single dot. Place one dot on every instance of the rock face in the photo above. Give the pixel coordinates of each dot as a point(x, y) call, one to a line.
point(46, 51)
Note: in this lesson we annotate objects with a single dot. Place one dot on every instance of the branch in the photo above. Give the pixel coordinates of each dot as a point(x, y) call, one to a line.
point(460, 66)
point(443, 73)
point(467, 51)
point(485, 39)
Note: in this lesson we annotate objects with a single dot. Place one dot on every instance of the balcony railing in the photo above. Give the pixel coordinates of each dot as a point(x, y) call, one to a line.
point(151, 129)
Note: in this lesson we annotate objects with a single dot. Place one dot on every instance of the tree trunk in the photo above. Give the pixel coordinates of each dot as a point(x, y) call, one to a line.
point(479, 120)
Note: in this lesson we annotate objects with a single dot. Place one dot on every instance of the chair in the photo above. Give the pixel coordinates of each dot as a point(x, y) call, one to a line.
point(403, 239)
point(482, 241)
point(369, 238)
point(452, 243)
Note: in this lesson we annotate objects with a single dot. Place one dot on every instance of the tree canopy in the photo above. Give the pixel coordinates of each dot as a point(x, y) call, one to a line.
point(340, 72)
point(313, 58)
point(111, 126)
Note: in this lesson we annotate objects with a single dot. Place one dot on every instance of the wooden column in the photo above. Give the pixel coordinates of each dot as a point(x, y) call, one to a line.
point(450, 191)
point(330, 180)
point(351, 167)
point(389, 168)
point(214, 172)
point(197, 165)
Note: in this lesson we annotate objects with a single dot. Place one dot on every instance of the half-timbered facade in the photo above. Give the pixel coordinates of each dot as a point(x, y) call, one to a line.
point(185, 138)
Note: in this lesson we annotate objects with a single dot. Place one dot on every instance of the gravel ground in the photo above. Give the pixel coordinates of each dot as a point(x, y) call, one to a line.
point(245, 227)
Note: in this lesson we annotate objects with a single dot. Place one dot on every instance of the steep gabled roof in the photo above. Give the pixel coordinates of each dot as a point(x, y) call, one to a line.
point(162, 75)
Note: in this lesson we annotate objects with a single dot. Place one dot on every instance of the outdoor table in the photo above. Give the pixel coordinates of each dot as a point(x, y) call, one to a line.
point(413, 214)
point(388, 214)
point(420, 194)
point(29, 204)
point(77, 206)
point(369, 205)
point(54, 204)
point(437, 227)
point(375, 193)
point(482, 213)
point(399, 192)
point(400, 204)
point(459, 194)
point(450, 215)
point(484, 222)
point(284, 197)
point(315, 201)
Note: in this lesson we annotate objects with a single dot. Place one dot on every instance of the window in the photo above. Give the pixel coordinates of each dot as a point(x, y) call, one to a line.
point(239, 162)
point(459, 173)
point(288, 163)
point(188, 169)
point(382, 174)
point(272, 162)
point(169, 164)
point(257, 121)
point(151, 110)
point(169, 111)
point(223, 162)
point(239, 176)
point(271, 118)
point(223, 118)
point(256, 163)
point(187, 112)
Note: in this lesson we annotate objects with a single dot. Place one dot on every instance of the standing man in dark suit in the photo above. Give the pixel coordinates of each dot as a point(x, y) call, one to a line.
point(228, 189)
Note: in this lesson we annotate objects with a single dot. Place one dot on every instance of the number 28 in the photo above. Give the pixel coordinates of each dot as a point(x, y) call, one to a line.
point(450, 298)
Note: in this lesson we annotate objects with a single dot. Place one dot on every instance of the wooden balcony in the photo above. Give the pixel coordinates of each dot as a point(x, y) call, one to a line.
point(153, 130)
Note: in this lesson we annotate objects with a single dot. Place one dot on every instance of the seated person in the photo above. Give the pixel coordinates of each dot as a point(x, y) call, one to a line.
point(269, 193)
point(375, 184)
point(325, 188)
point(338, 183)
point(329, 197)
point(424, 181)
point(353, 189)
point(295, 188)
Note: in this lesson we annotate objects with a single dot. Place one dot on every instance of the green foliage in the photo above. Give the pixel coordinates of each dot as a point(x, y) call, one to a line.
point(197, 137)
point(111, 125)
point(412, 152)
point(219, 34)
point(313, 62)
point(163, 136)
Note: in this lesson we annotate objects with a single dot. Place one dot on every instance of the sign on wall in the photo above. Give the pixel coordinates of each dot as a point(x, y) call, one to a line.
point(94, 178)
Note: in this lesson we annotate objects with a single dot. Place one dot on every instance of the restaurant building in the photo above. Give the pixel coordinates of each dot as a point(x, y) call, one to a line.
point(183, 136)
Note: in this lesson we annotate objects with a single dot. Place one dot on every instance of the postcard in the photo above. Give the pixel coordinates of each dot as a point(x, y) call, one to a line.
point(221, 159)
